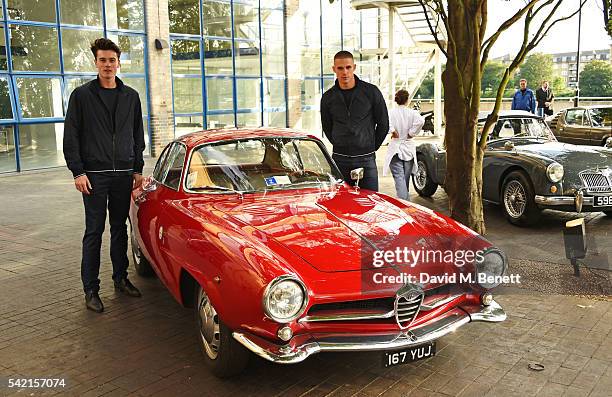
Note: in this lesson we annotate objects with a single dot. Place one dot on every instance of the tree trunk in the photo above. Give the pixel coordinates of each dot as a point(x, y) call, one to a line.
point(461, 81)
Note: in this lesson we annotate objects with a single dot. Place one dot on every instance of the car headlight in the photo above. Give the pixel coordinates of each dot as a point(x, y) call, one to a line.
point(555, 172)
point(491, 265)
point(285, 299)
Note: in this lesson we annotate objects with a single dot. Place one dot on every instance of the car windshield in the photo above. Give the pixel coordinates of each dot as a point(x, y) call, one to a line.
point(522, 127)
point(601, 117)
point(260, 164)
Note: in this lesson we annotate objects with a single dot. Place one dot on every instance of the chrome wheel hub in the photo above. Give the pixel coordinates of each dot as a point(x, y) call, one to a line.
point(420, 179)
point(208, 322)
point(515, 199)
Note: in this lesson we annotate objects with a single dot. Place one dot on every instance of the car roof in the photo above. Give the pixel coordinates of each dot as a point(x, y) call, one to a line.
point(591, 107)
point(225, 134)
point(508, 114)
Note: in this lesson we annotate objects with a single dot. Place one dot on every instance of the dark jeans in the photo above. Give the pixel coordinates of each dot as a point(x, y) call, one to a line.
point(112, 192)
point(370, 172)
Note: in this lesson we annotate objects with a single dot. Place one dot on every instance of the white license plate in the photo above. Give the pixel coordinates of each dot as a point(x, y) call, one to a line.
point(602, 201)
point(409, 354)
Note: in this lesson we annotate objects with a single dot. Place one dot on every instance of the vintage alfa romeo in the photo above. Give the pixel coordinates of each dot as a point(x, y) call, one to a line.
point(278, 256)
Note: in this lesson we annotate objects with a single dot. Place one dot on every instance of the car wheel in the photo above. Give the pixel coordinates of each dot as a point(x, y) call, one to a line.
point(223, 354)
point(518, 200)
point(422, 181)
point(141, 264)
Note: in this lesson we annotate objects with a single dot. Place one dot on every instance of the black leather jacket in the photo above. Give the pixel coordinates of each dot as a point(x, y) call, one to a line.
point(92, 142)
point(358, 128)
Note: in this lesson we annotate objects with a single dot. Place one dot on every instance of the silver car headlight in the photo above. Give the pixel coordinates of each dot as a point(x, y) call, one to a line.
point(285, 299)
point(555, 172)
point(491, 266)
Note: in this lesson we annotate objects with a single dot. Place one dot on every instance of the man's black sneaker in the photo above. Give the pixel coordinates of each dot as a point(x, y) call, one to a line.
point(93, 302)
point(127, 288)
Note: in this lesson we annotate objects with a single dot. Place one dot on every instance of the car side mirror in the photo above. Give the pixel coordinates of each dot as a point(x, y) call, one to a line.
point(609, 143)
point(509, 145)
point(357, 175)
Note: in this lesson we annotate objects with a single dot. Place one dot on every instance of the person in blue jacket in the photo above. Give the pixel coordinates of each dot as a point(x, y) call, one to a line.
point(524, 99)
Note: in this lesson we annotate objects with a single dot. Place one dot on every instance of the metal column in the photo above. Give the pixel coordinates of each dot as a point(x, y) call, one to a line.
point(391, 55)
point(438, 115)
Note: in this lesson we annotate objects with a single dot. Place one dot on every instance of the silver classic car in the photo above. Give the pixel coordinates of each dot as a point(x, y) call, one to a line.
point(526, 169)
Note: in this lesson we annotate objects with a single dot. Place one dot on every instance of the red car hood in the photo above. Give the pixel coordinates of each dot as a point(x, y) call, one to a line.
point(332, 231)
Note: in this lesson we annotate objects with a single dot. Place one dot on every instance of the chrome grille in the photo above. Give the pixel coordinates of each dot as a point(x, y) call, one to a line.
point(596, 182)
point(407, 304)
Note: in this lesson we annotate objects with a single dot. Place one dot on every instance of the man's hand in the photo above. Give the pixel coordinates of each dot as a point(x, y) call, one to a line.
point(137, 181)
point(82, 184)
point(394, 134)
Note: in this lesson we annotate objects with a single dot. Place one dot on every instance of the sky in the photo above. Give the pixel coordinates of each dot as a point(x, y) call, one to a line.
point(563, 37)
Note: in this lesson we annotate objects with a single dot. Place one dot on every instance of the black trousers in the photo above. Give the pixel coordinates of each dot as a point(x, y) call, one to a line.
point(370, 172)
point(112, 192)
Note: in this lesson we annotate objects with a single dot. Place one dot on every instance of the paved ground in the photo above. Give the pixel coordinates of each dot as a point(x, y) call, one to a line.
point(147, 346)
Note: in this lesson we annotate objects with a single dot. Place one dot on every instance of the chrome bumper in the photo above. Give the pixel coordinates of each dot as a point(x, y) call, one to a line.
point(561, 200)
point(302, 346)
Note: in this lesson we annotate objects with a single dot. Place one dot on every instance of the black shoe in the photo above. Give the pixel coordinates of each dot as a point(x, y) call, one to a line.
point(127, 288)
point(93, 302)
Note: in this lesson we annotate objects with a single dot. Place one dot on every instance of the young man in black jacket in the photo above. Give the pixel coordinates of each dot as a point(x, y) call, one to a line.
point(355, 120)
point(103, 146)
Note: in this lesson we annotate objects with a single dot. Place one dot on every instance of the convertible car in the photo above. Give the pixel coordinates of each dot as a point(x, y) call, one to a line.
point(278, 256)
point(526, 170)
point(588, 125)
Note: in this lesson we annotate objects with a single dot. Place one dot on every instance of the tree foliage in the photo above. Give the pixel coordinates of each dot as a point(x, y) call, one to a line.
point(596, 79)
point(607, 13)
point(537, 67)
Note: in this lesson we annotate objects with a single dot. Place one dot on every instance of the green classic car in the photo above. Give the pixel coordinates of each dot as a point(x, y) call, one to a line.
point(526, 169)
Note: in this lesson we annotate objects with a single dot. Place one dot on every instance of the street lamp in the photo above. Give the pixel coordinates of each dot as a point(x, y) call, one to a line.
point(577, 97)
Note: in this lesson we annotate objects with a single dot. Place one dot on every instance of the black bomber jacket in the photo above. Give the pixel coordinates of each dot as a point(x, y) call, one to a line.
point(356, 128)
point(92, 142)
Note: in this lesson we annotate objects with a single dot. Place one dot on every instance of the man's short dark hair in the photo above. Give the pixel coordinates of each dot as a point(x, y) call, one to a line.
point(104, 44)
point(343, 55)
point(401, 97)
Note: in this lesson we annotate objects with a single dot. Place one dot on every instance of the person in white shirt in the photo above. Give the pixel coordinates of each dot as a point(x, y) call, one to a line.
point(404, 123)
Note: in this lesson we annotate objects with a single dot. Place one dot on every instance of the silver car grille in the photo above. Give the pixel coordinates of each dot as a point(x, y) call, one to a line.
point(596, 181)
point(407, 308)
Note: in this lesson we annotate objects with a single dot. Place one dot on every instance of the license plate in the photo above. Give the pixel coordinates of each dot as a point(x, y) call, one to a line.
point(602, 201)
point(409, 354)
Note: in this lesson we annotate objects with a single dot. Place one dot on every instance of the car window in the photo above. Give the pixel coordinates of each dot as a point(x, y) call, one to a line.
point(174, 166)
point(575, 117)
point(521, 127)
point(159, 166)
point(267, 164)
point(601, 117)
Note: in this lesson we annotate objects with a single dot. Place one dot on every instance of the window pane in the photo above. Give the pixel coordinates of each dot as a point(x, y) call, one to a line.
point(74, 82)
point(3, 60)
point(274, 93)
point(249, 119)
point(187, 94)
point(272, 4)
point(40, 145)
point(184, 16)
point(187, 124)
point(217, 19)
point(76, 49)
point(220, 120)
point(311, 121)
point(311, 92)
point(218, 57)
point(172, 177)
point(31, 10)
point(350, 19)
point(219, 94)
point(308, 19)
point(275, 119)
point(332, 42)
point(125, 14)
point(82, 12)
point(248, 93)
point(40, 97)
point(246, 21)
point(247, 59)
point(132, 52)
point(186, 57)
point(7, 149)
point(272, 41)
point(5, 101)
point(138, 83)
point(34, 48)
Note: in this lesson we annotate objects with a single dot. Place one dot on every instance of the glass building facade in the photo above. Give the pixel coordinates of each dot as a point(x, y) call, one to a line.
point(233, 63)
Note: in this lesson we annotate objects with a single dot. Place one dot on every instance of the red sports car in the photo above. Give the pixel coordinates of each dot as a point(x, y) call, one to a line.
point(256, 231)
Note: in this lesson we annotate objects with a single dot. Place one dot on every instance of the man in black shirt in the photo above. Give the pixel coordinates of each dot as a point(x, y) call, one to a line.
point(103, 145)
point(544, 97)
point(355, 120)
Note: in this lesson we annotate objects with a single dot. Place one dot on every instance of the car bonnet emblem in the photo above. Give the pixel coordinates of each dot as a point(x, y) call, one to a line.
point(407, 304)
